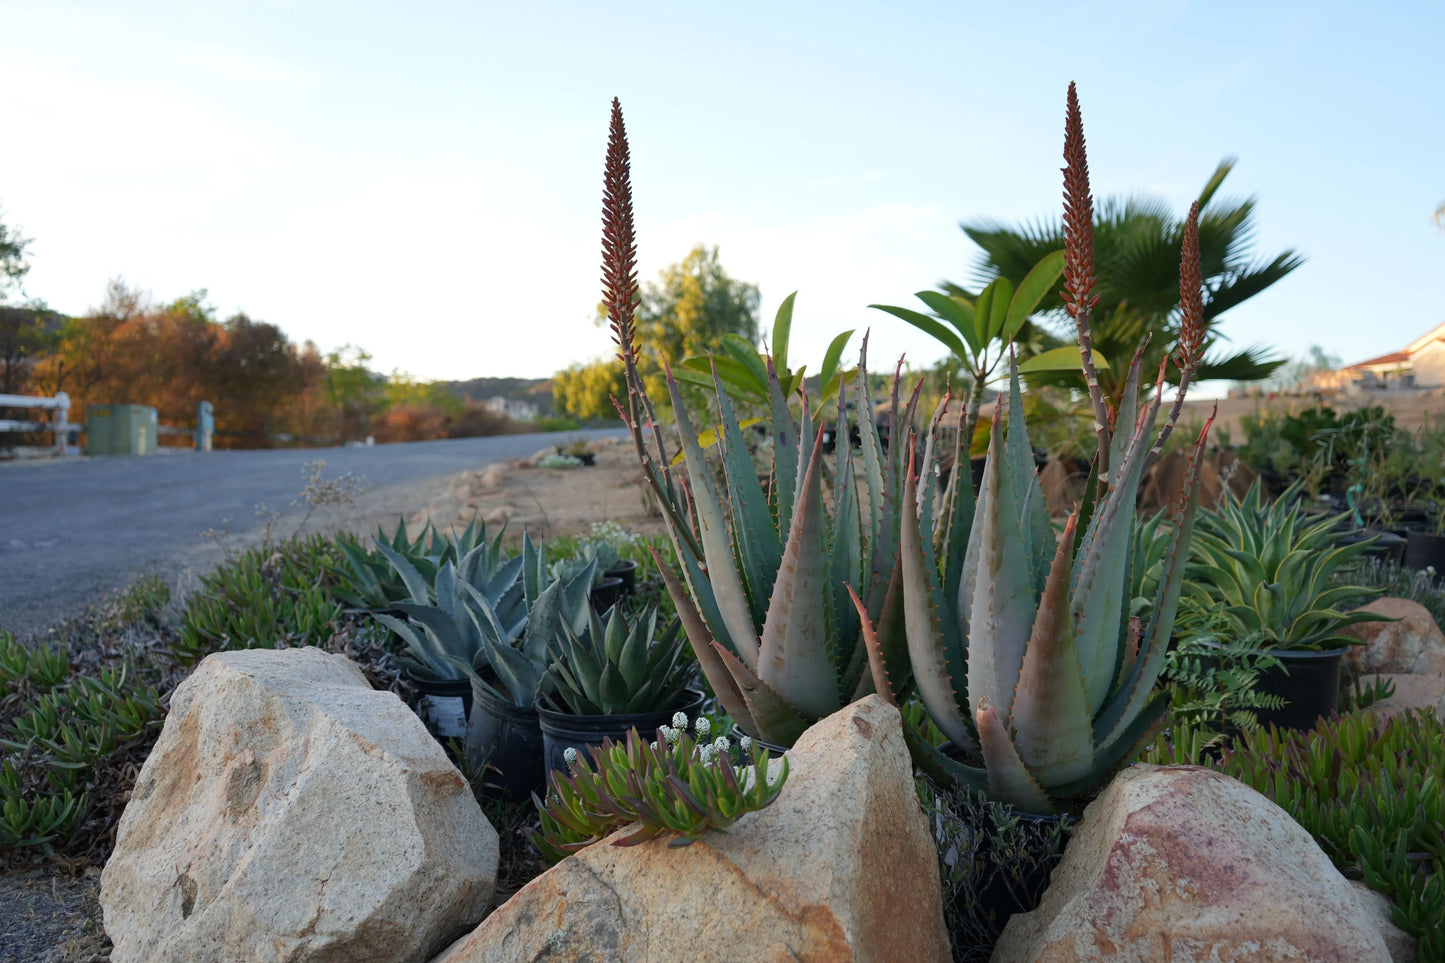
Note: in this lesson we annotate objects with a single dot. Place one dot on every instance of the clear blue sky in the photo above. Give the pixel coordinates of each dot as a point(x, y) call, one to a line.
point(424, 179)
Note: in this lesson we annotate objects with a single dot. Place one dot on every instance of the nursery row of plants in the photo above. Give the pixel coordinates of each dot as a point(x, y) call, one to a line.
point(609, 680)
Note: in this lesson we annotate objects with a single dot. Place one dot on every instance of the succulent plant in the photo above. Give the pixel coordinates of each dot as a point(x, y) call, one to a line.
point(611, 667)
point(473, 615)
point(604, 553)
point(762, 591)
point(1273, 573)
point(371, 581)
point(675, 785)
point(1022, 645)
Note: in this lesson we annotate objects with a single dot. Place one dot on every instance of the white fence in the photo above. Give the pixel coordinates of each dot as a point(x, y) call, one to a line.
point(60, 423)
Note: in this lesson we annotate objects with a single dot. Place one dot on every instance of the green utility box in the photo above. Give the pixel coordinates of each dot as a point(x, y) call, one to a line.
point(120, 430)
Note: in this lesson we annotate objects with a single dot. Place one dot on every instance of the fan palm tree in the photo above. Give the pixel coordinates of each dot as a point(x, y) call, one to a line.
point(1137, 247)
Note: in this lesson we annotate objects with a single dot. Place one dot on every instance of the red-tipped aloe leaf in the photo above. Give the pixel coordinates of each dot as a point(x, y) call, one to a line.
point(876, 666)
point(724, 685)
point(931, 639)
point(1050, 718)
point(773, 720)
point(1009, 780)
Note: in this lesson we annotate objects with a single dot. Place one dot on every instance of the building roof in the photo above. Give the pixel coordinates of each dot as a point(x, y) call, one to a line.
point(1397, 357)
point(1428, 340)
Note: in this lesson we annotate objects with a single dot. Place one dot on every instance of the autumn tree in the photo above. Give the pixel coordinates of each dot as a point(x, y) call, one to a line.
point(683, 314)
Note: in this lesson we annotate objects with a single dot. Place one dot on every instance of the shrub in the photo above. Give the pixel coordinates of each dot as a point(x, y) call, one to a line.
point(274, 596)
point(1372, 792)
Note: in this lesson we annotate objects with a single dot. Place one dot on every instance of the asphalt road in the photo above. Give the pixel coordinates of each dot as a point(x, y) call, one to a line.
point(74, 530)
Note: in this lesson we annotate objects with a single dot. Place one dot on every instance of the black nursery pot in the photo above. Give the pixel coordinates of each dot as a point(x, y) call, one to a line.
point(1004, 900)
point(1308, 681)
point(627, 571)
point(606, 593)
point(506, 741)
point(1388, 546)
point(446, 705)
point(1424, 549)
point(562, 730)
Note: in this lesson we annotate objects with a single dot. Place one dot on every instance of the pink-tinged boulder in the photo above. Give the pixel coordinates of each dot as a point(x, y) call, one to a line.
point(1183, 864)
point(291, 812)
point(840, 867)
point(1412, 644)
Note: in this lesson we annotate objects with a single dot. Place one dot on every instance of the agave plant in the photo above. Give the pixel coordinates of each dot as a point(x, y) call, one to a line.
point(372, 581)
point(612, 667)
point(1022, 645)
point(472, 615)
point(762, 591)
point(1271, 573)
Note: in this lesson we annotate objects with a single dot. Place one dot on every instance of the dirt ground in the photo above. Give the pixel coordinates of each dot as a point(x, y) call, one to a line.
point(547, 502)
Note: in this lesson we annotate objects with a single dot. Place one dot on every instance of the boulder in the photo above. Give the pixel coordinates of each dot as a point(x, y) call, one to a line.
point(1184, 864)
point(1403, 947)
point(840, 867)
point(291, 812)
point(1411, 692)
point(1412, 644)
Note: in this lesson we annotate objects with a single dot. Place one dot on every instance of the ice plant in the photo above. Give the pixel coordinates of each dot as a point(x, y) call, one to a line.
point(762, 588)
point(1021, 644)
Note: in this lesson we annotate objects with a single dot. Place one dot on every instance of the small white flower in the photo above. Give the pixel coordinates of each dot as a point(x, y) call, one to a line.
point(1429, 570)
point(570, 755)
point(706, 753)
point(702, 726)
point(679, 720)
point(670, 734)
point(654, 746)
point(721, 744)
point(746, 743)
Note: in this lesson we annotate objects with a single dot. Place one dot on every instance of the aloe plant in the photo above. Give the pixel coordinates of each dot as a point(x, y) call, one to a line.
point(1022, 645)
point(762, 592)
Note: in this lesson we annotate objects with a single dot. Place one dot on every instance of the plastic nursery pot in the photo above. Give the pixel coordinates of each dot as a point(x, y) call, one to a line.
point(1009, 887)
point(505, 742)
point(1388, 546)
point(627, 571)
point(562, 730)
point(1424, 550)
point(606, 593)
point(588, 459)
point(1308, 681)
point(446, 705)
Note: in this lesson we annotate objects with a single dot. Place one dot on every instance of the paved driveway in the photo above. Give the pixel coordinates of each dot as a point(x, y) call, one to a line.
point(74, 530)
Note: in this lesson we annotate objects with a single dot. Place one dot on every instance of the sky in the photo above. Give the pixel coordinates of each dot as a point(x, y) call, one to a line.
point(424, 179)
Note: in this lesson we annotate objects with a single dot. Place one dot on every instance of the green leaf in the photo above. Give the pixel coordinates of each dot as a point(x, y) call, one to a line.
point(930, 326)
point(782, 327)
point(1031, 291)
point(830, 361)
point(1059, 359)
point(958, 312)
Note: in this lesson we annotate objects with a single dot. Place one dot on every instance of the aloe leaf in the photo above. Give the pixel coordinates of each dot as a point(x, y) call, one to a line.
point(933, 643)
point(1123, 750)
point(1002, 607)
point(1033, 516)
point(795, 657)
point(758, 547)
point(721, 679)
point(722, 571)
point(785, 451)
point(1128, 412)
point(1101, 571)
point(1009, 780)
point(773, 718)
point(872, 451)
point(944, 769)
point(1050, 718)
point(877, 667)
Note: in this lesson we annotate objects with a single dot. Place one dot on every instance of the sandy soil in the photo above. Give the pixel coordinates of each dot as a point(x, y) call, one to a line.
point(547, 502)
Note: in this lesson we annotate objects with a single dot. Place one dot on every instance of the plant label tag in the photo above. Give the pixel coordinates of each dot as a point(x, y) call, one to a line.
point(447, 715)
